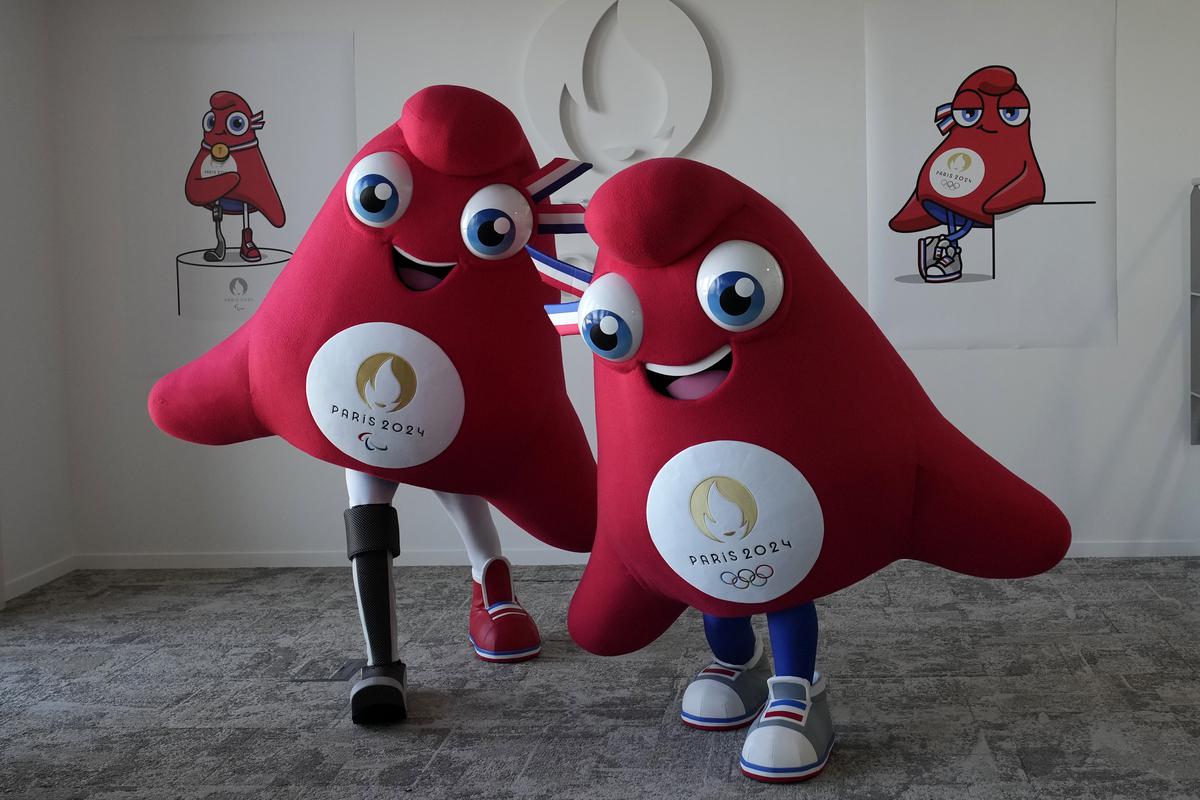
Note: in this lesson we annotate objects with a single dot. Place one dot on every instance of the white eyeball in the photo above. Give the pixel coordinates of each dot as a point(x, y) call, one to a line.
point(739, 285)
point(610, 318)
point(379, 188)
point(966, 117)
point(496, 222)
point(210, 121)
point(1014, 116)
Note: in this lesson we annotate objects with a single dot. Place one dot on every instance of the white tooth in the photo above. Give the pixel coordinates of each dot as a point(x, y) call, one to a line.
point(674, 371)
point(422, 261)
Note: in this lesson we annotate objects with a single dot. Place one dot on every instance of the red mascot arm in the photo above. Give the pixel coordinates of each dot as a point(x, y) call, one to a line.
point(208, 401)
point(206, 191)
point(1027, 188)
point(912, 217)
point(611, 613)
point(973, 516)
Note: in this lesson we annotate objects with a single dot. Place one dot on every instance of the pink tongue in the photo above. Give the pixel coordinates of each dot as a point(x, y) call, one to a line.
point(416, 280)
point(693, 387)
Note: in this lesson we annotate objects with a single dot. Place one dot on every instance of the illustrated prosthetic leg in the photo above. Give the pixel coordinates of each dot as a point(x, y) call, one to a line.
point(248, 251)
point(217, 253)
point(372, 542)
point(501, 630)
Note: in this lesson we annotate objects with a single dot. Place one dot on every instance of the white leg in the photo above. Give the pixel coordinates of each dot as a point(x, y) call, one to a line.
point(366, 489)
point(473, 519)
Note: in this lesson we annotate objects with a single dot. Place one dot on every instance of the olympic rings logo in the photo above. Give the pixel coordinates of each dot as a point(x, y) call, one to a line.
point(952, 186)
point(744, 578)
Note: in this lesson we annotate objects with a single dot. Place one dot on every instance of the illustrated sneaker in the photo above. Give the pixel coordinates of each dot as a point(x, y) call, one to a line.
point(379, 695)
point(793, 736)
point(501, 629)
point(249, 250)
point(925, 253)
point(725, 696)
point(946, 265)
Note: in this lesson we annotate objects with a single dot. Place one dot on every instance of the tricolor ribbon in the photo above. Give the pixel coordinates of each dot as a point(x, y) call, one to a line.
point(564, 317)
point(943, 117)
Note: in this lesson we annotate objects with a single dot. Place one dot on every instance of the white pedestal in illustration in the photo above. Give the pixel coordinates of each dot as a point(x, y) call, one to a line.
point(225, 290)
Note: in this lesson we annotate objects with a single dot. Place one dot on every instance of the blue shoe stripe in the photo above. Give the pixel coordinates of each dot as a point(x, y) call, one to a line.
point(479, 649)
point(800, 704)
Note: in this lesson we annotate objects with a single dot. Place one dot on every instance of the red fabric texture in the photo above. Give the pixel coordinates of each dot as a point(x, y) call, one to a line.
point(1012, 177)
point(520, 444)
point(817, 384)
point(252, 183)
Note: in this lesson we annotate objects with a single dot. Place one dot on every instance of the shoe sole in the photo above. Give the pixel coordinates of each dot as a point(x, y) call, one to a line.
point(949, 279)
point(505, 656)
point(710, 725)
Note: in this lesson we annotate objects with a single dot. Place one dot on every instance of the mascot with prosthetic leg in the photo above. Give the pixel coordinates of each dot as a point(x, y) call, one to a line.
point(761, 445)
point(406, 343)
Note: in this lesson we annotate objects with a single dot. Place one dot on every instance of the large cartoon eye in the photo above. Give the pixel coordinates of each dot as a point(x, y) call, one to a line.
point(210, 120)
point(739, 285)
point(237, 123)
point(1014, 116)
point(496, 222)
point(967, 116)
point(610, 318)
point(378, 189)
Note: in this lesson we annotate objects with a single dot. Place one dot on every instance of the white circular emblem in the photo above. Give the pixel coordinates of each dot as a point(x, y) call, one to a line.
point(210, 167)
point(956, 172)
point(735, 520)
point(385, 395)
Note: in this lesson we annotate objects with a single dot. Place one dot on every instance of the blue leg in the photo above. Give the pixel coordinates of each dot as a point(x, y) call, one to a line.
point(960, 230)
point(731, 638)
point(794, 640)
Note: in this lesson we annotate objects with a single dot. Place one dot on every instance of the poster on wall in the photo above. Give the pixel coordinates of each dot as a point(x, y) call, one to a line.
point(238, 141)
point(991, 171)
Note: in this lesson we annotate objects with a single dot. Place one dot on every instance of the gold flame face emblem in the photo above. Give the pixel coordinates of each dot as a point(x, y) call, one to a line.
point(959, 162)
point(723, 509)
point(386, 382)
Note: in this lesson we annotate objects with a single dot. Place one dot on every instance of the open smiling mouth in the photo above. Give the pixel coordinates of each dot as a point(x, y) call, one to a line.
point(691, 381)
point(419, 275)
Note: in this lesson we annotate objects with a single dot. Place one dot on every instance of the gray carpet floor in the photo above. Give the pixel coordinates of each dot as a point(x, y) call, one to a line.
point(1084, 683)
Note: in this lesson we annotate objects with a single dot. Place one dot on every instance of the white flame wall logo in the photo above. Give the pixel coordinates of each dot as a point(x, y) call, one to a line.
point(617, 81)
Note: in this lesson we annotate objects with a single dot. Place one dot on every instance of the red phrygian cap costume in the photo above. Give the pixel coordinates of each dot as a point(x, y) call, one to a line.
point(761, 443)
point(985, 165)
point(406, 337)
point(229, 164)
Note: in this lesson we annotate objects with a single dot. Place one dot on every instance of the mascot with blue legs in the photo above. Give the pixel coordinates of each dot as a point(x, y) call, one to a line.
point(761, 445)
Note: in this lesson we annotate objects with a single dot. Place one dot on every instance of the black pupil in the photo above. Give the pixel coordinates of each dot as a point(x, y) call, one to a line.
point(733, 303)
point(487, 233)
point(237, 124)
point(370, 200)
point(603, 341)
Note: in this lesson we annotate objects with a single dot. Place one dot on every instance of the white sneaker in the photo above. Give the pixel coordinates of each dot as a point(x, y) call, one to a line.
point(793, 736)
point(726, 696)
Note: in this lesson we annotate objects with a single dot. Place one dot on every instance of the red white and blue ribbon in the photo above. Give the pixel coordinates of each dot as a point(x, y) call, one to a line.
point(257, 122)
point(943, 117)
point(559, 274)
point(560, 218)
point(552, 177)
point(564, 317)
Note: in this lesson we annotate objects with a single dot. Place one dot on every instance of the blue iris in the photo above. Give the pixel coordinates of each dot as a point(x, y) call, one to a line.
point(607, 334)
point(735, 298)
point(490, 232)
point(1011, 115)
point(375, 198)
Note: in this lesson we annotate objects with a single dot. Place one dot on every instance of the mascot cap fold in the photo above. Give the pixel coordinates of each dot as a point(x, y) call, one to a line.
point(656, 212)
point(460, 131)
point(991, 80)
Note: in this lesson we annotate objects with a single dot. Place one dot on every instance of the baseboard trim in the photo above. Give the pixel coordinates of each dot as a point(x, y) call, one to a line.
point(36, 577)
point(1162, 548)
point(311, 558)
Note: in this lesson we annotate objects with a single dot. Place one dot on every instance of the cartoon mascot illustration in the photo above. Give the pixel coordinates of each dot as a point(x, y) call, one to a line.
point(984, 166)
point(228, 174)
point(748, 468)
point(406, 342)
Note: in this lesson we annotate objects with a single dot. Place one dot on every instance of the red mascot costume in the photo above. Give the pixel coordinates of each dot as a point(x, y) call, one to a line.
point(406, 342)
point(761, 445)
point(984, 166)
point(228, 174)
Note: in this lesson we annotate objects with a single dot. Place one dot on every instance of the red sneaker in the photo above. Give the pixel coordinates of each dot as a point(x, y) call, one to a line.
point(249, 250)
point(501, 629)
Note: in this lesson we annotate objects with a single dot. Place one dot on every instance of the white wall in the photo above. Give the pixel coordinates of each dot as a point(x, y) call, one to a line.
point(36, 539)
point(1103, 431)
